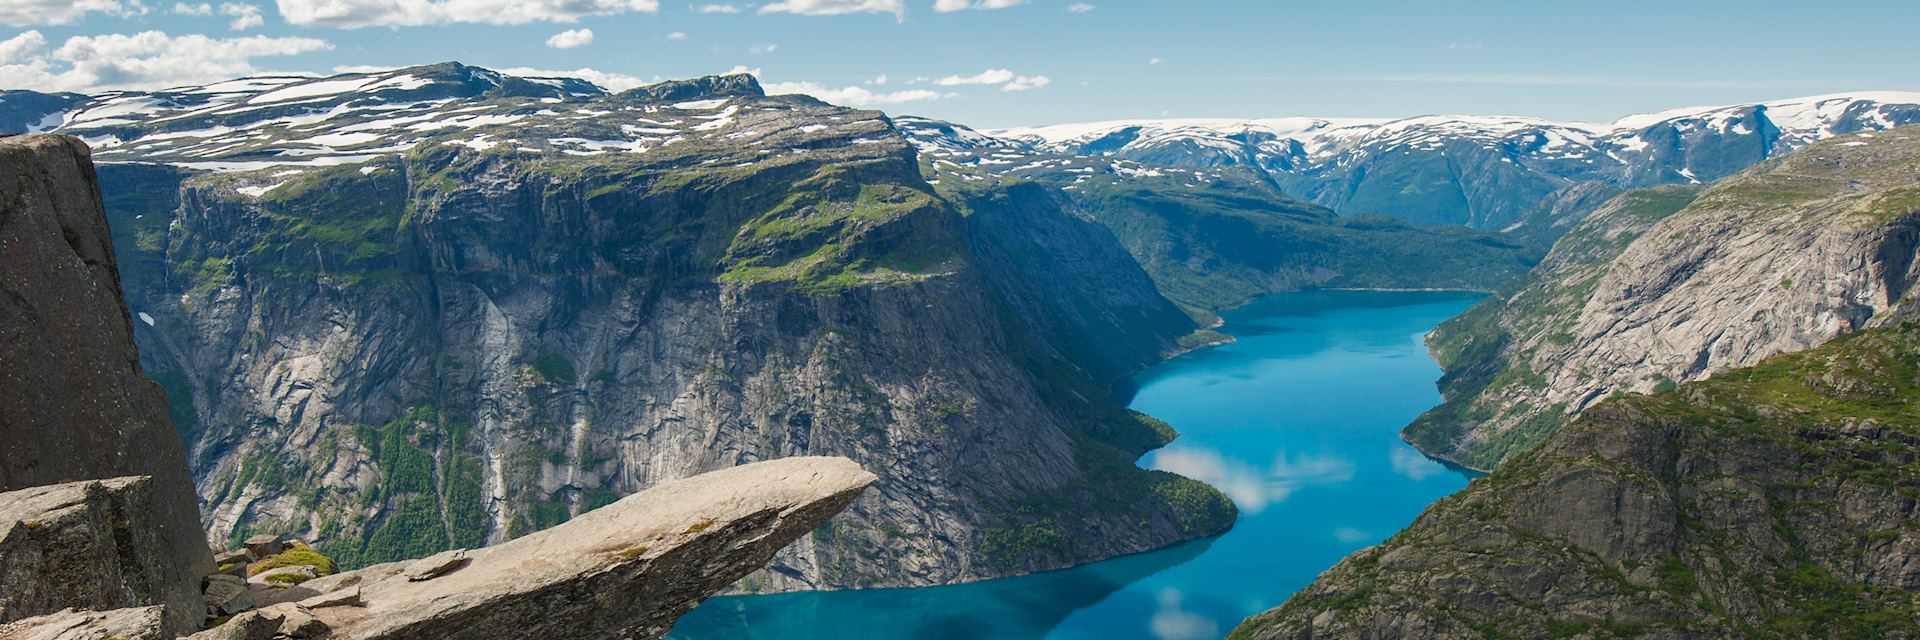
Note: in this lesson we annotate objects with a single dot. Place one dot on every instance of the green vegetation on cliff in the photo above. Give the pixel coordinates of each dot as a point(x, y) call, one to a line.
point(1773, 501)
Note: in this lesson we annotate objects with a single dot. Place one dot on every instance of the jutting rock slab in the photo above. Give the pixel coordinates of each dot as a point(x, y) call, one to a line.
point(626, 570)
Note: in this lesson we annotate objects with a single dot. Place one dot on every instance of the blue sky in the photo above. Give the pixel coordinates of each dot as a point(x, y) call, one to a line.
point(1006, 62)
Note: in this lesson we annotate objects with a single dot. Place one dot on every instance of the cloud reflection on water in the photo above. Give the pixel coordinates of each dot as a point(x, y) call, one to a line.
point(1412, 465)
point(1251, 487)
point(1171, 622)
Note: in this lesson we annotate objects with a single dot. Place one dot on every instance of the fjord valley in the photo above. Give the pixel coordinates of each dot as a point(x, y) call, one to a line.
point(446, 327)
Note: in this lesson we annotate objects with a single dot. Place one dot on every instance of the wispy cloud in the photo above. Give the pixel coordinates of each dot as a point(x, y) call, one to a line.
point(1574, 80)
point(1079, 7)
point(948, 6)
point(853, 95)
point(836, 7)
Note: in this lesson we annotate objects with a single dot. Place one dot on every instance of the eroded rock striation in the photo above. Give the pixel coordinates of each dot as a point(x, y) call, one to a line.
point(93, 545)
point(76, 406)
point(547, 299)
point(1773, 501)
point(1679, 283)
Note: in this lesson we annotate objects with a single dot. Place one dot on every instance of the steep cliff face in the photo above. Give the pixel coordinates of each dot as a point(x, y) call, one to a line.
point(1671, 285)
point(519, 319)
point(76, 406)
point(1775, 501)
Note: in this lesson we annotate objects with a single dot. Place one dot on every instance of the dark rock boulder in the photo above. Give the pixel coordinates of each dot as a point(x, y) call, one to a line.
point(91, 545)
point(77, 406)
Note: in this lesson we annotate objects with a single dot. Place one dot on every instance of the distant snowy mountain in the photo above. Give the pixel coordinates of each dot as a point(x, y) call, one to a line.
point(1487, 172)
point(1528, 176)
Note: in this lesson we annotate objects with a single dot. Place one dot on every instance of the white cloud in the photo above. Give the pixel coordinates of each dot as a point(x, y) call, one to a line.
point(741, 68)
point(1153, 61)
point(677, 36)
point(1079, 7)
point(202, 9)
point(836, 7)
point(1024, 83)
point(354, 14)
point(21, 13)
point(990, 76)
point(946, 6)
point(366, 68)
point(615, 82)
point(146, 60)
point(762, 48)
point(571, 38)
point(879, 79)
point(245, 16)
point(858, 96)
point(17, 47)
point(717, 8)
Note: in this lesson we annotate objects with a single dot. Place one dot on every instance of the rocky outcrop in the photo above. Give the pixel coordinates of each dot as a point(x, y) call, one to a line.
point(92, 545)
point(626, 570)
point(1671, 285)
point(1776, 501)
point(76, 405)
point(465, 344)
point(142, 623)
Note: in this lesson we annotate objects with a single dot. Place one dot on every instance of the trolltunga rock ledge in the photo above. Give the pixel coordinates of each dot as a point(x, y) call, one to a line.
point(626, 570)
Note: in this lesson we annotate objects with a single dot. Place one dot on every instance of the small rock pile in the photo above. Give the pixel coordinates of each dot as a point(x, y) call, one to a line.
point(249, 576)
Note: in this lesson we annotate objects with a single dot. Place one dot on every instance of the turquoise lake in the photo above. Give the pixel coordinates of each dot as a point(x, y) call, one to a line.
point(1297, 421)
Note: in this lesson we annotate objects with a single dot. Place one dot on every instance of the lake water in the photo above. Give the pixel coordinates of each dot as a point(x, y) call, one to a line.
point(1297, 421)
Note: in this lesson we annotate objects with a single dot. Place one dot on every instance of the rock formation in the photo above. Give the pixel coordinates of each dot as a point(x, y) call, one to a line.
point(626, 570)
point(1675, 284)
point(93, 545)
point(76, 406)
point(1775, 501)
point(462, 343)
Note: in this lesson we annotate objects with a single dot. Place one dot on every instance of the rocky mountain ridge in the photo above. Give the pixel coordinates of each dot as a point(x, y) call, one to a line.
point(1485, 172)
point(1772, 501)
point(1676, 284)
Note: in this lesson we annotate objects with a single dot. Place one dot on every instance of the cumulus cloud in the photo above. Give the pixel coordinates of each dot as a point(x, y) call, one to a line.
point(1079, 7)
point(615, 82)
point(201, 9)
point(836, 7)
point(245, 16)
point(716, 8)
point(854, 95)
point(21, 13)
point(571, 38)
point(677, 36)
point(990, 76)
point(763, 48)
point(354, 14)
point(947, 6)
point(146, 60)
